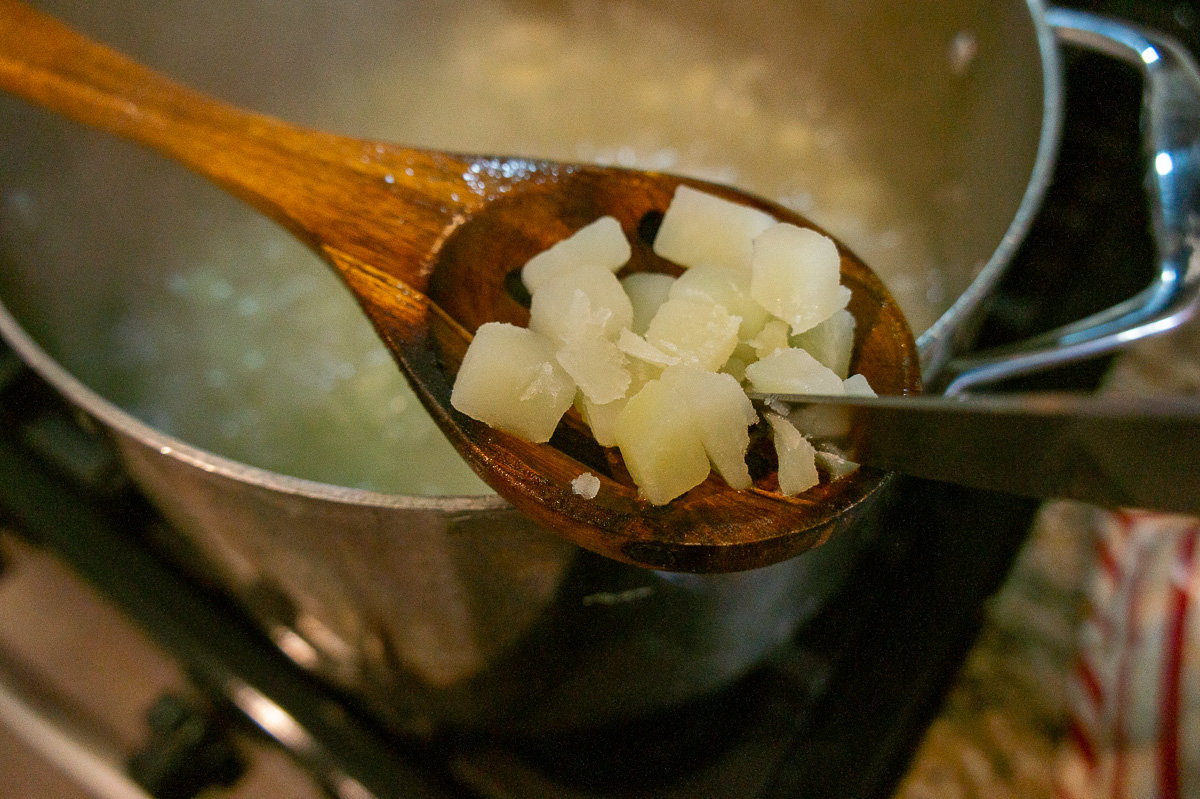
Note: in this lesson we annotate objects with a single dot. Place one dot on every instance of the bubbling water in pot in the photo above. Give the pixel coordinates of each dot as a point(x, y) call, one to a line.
point(275, 365)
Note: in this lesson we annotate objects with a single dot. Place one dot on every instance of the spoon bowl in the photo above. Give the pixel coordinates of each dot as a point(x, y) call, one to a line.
point(428, 242)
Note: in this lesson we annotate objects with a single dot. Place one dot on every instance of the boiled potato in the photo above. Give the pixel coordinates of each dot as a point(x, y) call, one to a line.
point(600, 417)
point(795, 274)
point(601, 243)
point(511, 380)
point(686, 407)
point(834, 464)
point(580, 302)
point(638, 348)
point(697, 332)
point(659, 445)
point(858, 386)
point(797, 457)
point(721, 414)
point(793, 371)
point(647, 291)
point(727, 288)
point(774, 335)
point(700, 228)
point(597, 367)
point(831, 342)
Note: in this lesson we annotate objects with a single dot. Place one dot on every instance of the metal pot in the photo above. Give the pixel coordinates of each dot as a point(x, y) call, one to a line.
point(456, 610)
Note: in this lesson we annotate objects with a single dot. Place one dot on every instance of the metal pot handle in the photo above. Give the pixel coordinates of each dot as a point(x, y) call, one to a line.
point(1171, 133)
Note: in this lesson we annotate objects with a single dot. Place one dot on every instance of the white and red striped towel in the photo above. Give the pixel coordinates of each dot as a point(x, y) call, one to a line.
point(1135, 704)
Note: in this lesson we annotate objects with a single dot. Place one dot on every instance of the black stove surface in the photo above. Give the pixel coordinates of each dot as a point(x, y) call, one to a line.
point(836, 715)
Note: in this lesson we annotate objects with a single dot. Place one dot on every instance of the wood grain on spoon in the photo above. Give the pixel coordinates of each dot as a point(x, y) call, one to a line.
point(426, 241)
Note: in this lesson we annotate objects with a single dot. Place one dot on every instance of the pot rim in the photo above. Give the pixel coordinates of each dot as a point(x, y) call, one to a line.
point(935, 344)
point(931, 343)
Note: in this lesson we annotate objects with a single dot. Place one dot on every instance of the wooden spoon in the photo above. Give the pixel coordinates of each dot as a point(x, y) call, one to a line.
point(427, 241)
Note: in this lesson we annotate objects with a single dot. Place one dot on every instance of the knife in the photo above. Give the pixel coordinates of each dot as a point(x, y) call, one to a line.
point(1114, 451)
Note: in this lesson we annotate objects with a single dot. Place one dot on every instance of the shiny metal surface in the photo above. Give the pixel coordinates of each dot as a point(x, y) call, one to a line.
point(80, 680)
point(1108, 451)
point(1172, 146)
point(456, 611)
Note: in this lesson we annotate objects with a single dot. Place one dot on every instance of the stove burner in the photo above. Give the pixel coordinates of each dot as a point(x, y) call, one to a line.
point(837, 714)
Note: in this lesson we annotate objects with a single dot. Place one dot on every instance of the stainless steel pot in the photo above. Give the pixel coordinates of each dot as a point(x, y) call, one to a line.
point(456, 610)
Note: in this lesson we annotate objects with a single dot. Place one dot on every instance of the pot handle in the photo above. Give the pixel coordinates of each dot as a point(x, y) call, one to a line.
point(1171, 134)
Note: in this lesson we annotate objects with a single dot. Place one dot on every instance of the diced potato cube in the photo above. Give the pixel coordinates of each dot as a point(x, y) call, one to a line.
point(700, 228)
point(647, 291)
point(795, 274)
point(721, 414)
point(582, 302)
point(637, 347)
point(601, 243)
point(698, 332)
point(727, 288)
point(510, 379)
point(773, 336)
point(660, 447)
point(797, 457)
point(821, 422)
point(596, 366)
point(858, 386)
point(831, 342)
point(793, 371)
point(601, 417)
point(834, 464)
point(827, 422)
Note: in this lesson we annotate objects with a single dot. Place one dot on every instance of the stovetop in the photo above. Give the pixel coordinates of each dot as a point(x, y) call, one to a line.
point(837, 714)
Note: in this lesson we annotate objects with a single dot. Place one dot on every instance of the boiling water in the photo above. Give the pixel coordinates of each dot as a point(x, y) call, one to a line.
point(275, 366)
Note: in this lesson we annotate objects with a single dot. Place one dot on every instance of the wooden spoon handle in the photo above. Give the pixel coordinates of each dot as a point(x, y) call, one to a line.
point(351, 200)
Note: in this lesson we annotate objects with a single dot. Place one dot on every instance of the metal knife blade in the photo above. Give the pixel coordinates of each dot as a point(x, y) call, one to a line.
point(1113, 451)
